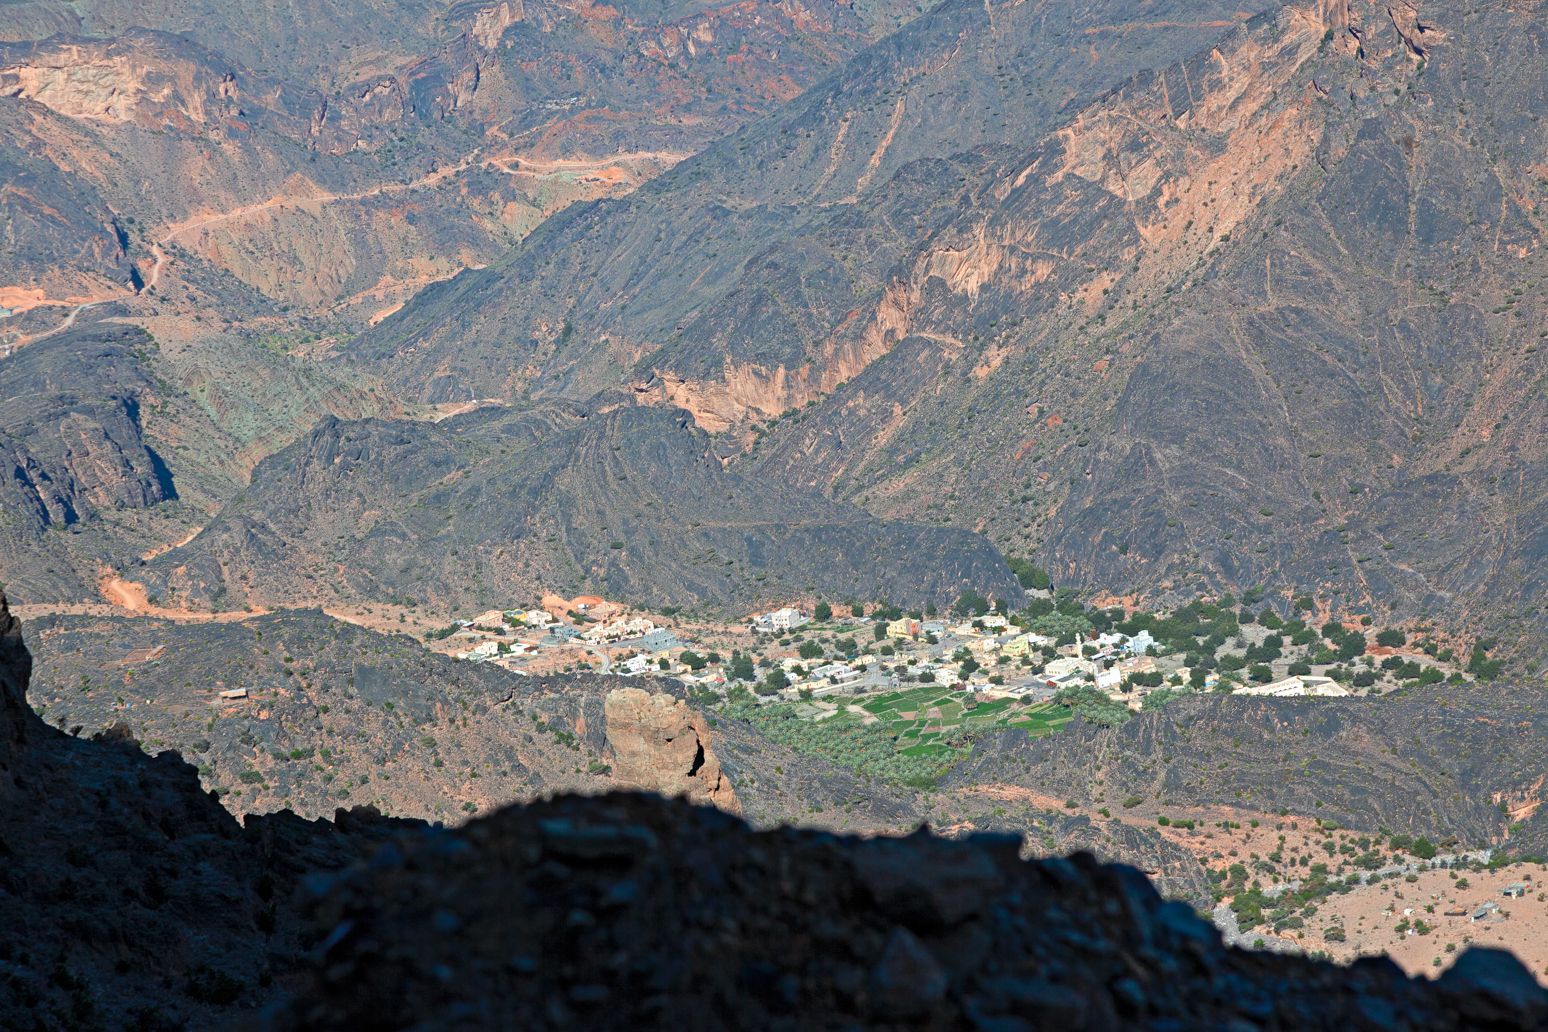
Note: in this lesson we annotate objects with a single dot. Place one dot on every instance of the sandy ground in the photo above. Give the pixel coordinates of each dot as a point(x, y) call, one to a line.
point(1252, 835)
point(1218, 848)
point(1370, 915)
point(386, 618)
point(127, 596)
point(163, 549)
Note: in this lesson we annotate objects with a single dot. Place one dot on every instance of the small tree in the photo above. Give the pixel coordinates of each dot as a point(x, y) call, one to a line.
point(856, 609)
point(1030, 576)
point(742, 667)
point(970, 603)
point(822, 612)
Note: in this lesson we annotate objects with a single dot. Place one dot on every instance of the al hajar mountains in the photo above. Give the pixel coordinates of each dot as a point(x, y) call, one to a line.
point(1110, 427)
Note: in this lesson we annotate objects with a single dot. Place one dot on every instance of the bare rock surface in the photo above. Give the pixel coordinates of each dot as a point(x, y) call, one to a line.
point(662, 746)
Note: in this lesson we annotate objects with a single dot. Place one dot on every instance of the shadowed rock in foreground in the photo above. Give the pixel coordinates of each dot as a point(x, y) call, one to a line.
point(630, 912)
point(146, 905)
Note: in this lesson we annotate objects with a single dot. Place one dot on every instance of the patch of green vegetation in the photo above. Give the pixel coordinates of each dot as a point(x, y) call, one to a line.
point(845, 739)
point(918, 734)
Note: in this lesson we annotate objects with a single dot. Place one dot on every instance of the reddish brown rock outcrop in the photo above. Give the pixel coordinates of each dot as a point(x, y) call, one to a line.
point(661, 745)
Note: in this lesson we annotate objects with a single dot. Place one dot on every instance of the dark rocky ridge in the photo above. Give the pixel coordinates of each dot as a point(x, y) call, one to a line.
point(476, 511)
point(72, 447)
point(145, 902)
point(108, 440)
point(647, 912)
point(1444, 762)
point(1250, 305)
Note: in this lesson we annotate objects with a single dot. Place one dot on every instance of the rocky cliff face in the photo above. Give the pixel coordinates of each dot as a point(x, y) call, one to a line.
point(15, 675)
point(662, 746)
point(73, 450)
point(70, 422)
point(111, 442)
point(139, 79)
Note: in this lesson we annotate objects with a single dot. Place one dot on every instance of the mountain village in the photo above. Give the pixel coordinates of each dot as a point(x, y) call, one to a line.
point(979, 650)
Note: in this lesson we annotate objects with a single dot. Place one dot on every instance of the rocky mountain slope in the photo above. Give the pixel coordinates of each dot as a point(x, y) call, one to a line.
point(110, 441)
point(1197, 301)
point(335, 715)
point(251, 187)
point(345, 153)
point(771, 928)
point(896, 933)
point(731, 278)
point(478, 510)
point(1451, 763)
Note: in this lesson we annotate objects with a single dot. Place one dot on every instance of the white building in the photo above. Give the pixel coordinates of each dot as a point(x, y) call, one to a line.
point(617, 630)
point(1297, 686)
point(839, 673)
point(779, 621)
point(1067, 667)
point(481, 653)
point(634, 666)
point(1142, 642)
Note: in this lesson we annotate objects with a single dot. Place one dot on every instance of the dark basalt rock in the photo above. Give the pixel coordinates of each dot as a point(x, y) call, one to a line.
point(705, 921)
point(1437, 761)
point(626, 501)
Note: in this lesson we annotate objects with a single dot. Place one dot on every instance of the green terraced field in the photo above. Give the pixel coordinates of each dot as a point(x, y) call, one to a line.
point(921, 717)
